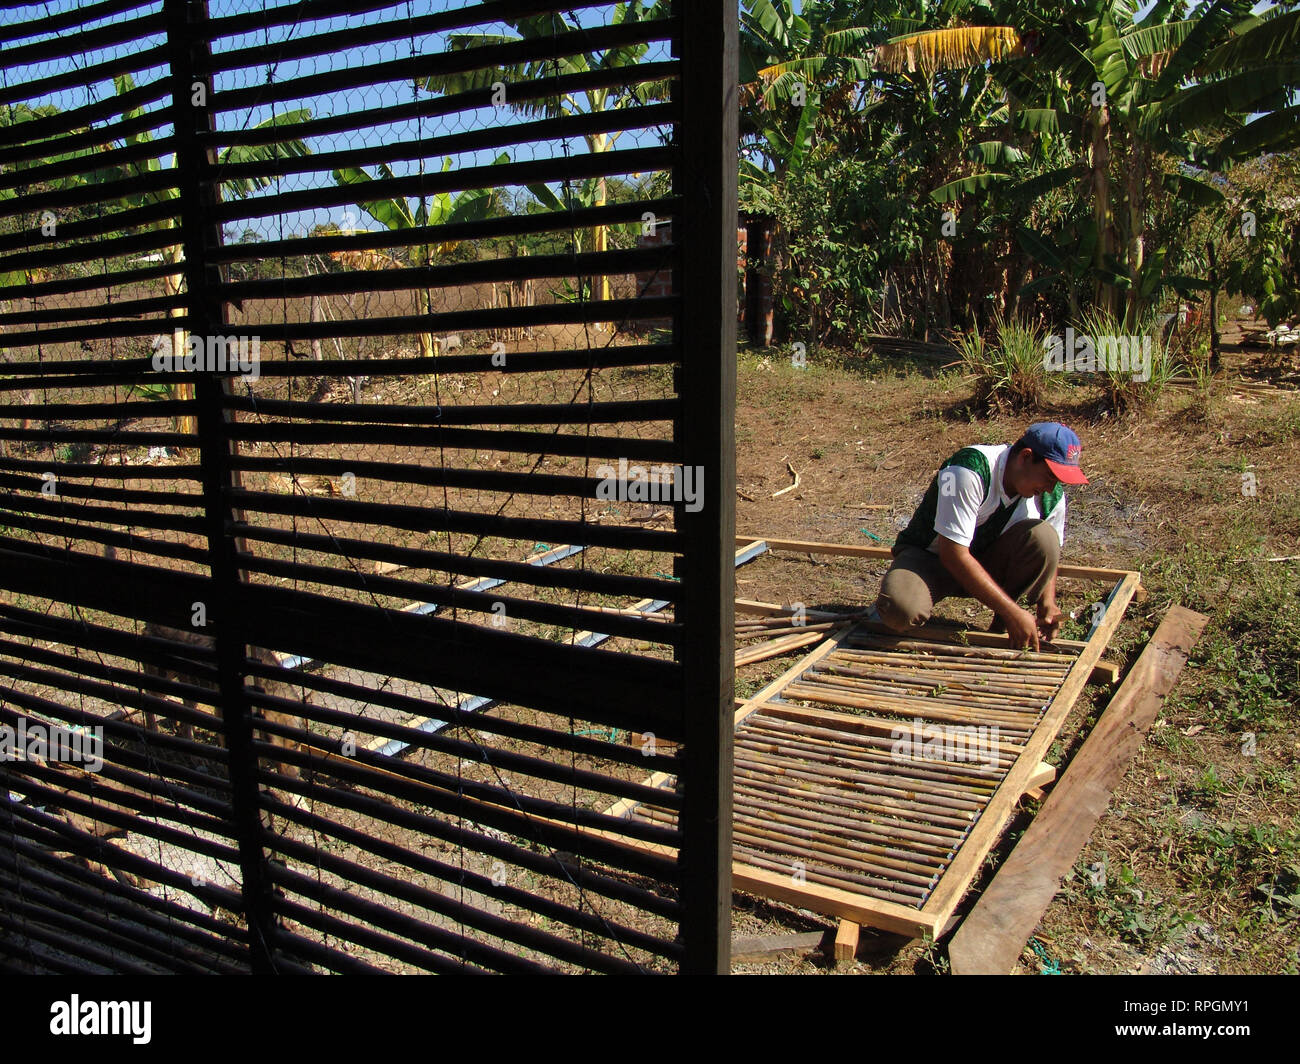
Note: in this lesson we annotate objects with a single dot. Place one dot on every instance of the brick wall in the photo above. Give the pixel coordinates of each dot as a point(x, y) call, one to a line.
point(660, 283)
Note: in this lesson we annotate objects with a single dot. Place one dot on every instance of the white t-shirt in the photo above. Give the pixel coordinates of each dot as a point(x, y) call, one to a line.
point(963, 505)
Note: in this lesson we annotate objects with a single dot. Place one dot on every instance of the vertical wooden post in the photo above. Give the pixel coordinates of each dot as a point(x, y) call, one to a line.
point(198, 196)
point(704, 279)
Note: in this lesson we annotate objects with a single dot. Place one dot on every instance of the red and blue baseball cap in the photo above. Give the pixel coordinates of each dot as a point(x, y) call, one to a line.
point(1059, 447)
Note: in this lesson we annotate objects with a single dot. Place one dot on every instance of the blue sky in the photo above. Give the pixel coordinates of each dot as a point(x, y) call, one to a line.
point(389, 94)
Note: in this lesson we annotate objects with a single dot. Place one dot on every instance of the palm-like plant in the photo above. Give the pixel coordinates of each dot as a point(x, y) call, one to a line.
point(395, 213)
point(798, 70)
point(173, 255)
point(580, 61)
point(1125, 91)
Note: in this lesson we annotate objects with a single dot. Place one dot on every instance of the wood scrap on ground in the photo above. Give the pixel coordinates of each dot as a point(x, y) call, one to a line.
point(794, 473)
point(758, 949)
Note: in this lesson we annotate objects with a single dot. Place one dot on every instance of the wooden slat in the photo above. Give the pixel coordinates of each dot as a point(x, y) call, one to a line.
point(846, 942)
point(1074, 572)
point(758, 949)
point(990, 939)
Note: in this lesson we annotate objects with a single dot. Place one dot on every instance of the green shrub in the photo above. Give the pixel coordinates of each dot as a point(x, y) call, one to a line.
point(1010, 373)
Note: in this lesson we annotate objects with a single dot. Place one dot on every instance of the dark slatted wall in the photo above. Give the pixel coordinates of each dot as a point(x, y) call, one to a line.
point(364, 521)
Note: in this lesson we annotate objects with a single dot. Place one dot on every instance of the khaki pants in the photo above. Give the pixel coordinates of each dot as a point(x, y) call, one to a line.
point(1022, 561)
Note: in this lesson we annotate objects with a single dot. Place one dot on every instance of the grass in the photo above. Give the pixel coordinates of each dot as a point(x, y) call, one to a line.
point(1124, 907)
point(1009, 372)
point(1122, 390)
point(1254, 868)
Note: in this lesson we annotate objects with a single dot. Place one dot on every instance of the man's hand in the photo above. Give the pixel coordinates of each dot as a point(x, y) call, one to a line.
point(1049, 619)
point(1022, 629)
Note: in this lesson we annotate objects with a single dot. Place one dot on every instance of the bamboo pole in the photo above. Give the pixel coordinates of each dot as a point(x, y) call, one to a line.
point(894, 799)
point(890, 761)
point(886, 767)
point(926, 708)
point(811, 841)
point(802, 725)
point(1033, 676)
point(937, 836)
point(844, 691)
point(776, 648)
point(956, 650)
point(940, 692)
point(859, 885)
point(921, 793)
point(905, 819)
point(936, 853)
point(965, 690)
point(856, 724)
point(855, 782)
point(760, 833)
point(753, 631)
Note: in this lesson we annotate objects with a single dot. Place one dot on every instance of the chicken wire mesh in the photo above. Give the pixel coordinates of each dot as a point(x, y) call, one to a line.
point(344, 483)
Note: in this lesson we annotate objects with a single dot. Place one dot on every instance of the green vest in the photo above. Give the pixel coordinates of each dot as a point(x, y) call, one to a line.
point(920, 530)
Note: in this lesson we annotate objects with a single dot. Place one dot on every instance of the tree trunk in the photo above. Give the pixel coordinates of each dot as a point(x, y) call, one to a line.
point(1136, 247)
point(1105, 293)
point(1215, 361)
point(173, 283)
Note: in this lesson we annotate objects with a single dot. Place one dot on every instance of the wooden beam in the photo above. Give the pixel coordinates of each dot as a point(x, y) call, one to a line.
point(886, 915)
point(846, 942)
point(803, 546)
point(1034, 785)
point(1104, 673)
point(992, 936)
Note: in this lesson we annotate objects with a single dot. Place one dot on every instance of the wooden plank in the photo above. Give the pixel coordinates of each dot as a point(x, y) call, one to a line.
point(1034, 785)
point(957, 877)
point(1073, 572)
point(886, 915)
point(1104, 673)
point(757, 949)
point(846, 942)
point(992, 936)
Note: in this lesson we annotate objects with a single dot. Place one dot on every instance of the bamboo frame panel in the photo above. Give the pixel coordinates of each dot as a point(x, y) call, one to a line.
point(828, 816)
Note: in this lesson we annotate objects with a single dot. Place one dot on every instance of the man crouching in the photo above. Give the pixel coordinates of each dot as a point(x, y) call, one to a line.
point(991, 525)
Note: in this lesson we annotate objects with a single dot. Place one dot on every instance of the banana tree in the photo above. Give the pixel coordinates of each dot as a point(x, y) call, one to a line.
point(591, 101)
point(799, 73)
point(12, 115)
point(395, 213)
point(1126, 91)
point(173, 255)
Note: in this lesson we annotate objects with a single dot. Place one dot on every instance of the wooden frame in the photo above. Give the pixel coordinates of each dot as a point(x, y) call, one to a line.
point(1027, 772)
